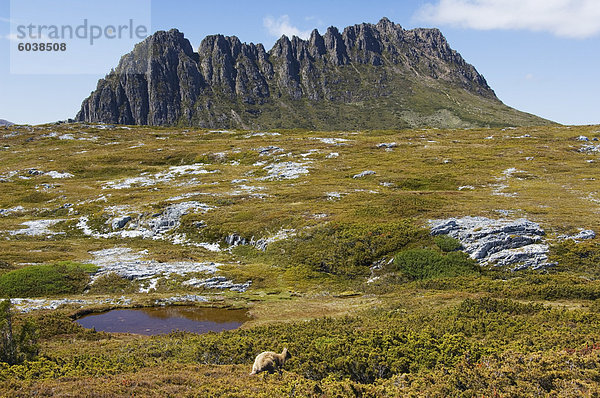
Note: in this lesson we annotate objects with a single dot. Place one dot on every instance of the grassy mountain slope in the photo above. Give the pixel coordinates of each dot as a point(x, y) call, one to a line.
point(410, 103)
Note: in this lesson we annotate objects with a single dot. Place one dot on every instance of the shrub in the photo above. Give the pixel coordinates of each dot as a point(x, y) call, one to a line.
point(339, 348)
point(58, 323)
point(345, 248)
point(523, 285)
point(478, 308)
point(428, 264)
point(447, 243)
point(20, 346)
point(579, 257)
point(45, 280)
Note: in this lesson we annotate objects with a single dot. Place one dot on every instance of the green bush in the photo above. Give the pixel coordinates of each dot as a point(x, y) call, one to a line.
point(59, 323)
point(16, 346)
point(447, 243)
point(581, 257)
point(338, 348)
point(428, 264)
point(347, 249)
point(522, 285)
point(478, 308)
point(46, 280)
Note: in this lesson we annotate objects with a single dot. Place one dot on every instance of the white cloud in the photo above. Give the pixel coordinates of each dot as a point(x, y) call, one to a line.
point(11, 37)
point(15, 37)
point(315, 19)
point(282, 26)
point(564, 18)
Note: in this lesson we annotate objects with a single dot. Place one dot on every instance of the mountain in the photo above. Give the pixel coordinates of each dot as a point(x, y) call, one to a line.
point(5, 123)
point(367, 77)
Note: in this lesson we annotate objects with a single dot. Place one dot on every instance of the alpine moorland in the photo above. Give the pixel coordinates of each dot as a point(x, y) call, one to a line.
point(415, 262)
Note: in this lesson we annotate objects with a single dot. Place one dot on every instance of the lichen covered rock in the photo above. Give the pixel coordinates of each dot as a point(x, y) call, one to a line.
point(516, 243)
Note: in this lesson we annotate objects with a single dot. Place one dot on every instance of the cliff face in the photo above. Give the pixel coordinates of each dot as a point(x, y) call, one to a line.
point(152, 84)
point(368, 76)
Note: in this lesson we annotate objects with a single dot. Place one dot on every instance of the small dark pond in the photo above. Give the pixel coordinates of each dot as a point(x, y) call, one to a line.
point(158, 320)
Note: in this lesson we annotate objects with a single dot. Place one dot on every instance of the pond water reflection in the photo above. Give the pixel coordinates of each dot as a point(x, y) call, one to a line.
point(158, 320)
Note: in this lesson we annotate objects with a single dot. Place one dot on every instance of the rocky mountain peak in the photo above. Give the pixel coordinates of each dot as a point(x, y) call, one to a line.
point(385, 25)
point(368, 68)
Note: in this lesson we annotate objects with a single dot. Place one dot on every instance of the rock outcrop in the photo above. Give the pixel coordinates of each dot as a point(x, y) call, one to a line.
point(515, 243)
point(368, 76)
point(261, 243)
point(131, 265)
point(583, 234)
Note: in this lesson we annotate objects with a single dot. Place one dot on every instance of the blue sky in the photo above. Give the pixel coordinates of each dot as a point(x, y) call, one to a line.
point(539, 56)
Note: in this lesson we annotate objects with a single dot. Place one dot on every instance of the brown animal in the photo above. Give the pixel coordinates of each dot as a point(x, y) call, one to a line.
point(269, 361)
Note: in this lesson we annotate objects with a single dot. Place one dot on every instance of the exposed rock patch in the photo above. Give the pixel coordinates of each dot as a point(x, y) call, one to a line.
point(156, 227)
point(331, 141)
point(186, 298)
point(120, 222)
point(261, 134)
point(45, 187)
point(285, 170)
point(34, 172)
point(218, 282)
point(499, 189)
point(590, 148)
point(584, 234)
point(147, 179)
point(334, 195)
point(261, 244)
point(235, 240)
point(250, 190)
point(25, 305)
point(38, 228)
point(132, 265)
point(388, 146)
point(7, 176)
point(12, 210)
point(27, 174)
point(364, 174)
point(169, 218)
point(515, 243)
point(268, 150)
